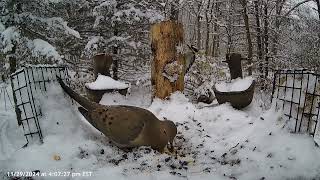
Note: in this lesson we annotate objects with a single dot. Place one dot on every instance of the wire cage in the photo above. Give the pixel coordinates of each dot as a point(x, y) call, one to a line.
point(25, 84)
point(297, 93)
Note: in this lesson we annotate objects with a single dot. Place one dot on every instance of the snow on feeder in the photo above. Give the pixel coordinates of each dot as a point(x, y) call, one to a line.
point(239, 92)
point(105, 84)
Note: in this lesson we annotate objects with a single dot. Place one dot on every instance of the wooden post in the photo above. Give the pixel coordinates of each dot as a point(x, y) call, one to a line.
point(101, 64)
point(234, 63)
point(167, 75)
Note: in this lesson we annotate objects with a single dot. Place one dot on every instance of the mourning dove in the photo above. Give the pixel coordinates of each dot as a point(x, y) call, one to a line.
point(126, 126)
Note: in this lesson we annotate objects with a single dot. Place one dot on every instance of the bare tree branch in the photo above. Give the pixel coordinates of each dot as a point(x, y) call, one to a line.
point(296, 6)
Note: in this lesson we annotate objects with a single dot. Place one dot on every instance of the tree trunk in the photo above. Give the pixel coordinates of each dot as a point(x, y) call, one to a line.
point(167, 74)
point(16, 8)
point(259, 38)
point(199, 28)
point(228, 27)
point(318, 6)
point(215, 34)
point(246, 22)
point(207, 38)
point(279, 6)
point(266, 38)
point(198, 33)
point(2, 68)
point(217, 48)
point(214, 42)
point(208, 22)
point(174, 11)
point(115, 66)
point(13, 60)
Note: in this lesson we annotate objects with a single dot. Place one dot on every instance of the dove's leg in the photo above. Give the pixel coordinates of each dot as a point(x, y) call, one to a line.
point(171, 148)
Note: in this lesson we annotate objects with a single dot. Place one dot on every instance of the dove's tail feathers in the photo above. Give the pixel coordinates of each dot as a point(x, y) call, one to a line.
point(86, 115)
point(87, 104)
point(84, 112)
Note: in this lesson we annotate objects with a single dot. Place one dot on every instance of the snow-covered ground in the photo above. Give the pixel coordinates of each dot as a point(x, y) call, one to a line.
point(212, 143)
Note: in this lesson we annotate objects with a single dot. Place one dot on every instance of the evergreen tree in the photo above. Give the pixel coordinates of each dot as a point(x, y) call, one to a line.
point(33, 28)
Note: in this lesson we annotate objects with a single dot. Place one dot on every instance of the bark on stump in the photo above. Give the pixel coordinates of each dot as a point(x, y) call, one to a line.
point(167, 75)
point(101, 64)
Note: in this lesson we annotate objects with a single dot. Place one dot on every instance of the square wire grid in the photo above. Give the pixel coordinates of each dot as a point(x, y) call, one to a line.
point(297, 93)
point(25, 83)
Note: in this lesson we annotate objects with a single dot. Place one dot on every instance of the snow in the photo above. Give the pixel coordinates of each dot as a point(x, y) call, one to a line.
point(2, 27)
point(106, 5)
point(93, 43)
point(11, 137)
point(40, 47)
point(8, 37)
point(127, 13)
point(212, 143)
point(310, 6)
point(70, 31)
point(131, 11)
point(317, 134)
point(105, 82)
point(118, 38)
point(137, 14)
point(97, 21)
point(55, 24)
point(137, 96)
point(172, 70)
point(154, 16)
point(59, 23)
point(53, 1)
point(238, 84)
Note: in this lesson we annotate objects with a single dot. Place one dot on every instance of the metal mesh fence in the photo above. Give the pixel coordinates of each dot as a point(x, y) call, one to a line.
point(297, 93)
point(25, 83)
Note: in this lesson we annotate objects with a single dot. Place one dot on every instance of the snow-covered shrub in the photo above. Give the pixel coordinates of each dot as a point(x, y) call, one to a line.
point(203, 74)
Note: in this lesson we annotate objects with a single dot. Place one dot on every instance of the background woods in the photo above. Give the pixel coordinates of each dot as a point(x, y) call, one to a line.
point(130, 56)
point(271, 34)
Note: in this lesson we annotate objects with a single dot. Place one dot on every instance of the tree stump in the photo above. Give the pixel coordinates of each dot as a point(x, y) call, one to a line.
point(101, 64)
point(167, 75)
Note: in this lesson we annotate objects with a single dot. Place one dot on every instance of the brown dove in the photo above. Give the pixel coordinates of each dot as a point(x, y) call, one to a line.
point(126, 126)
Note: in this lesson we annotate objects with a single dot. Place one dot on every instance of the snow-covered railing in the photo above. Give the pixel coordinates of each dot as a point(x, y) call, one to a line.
point(297, 94)
point(26, 82)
